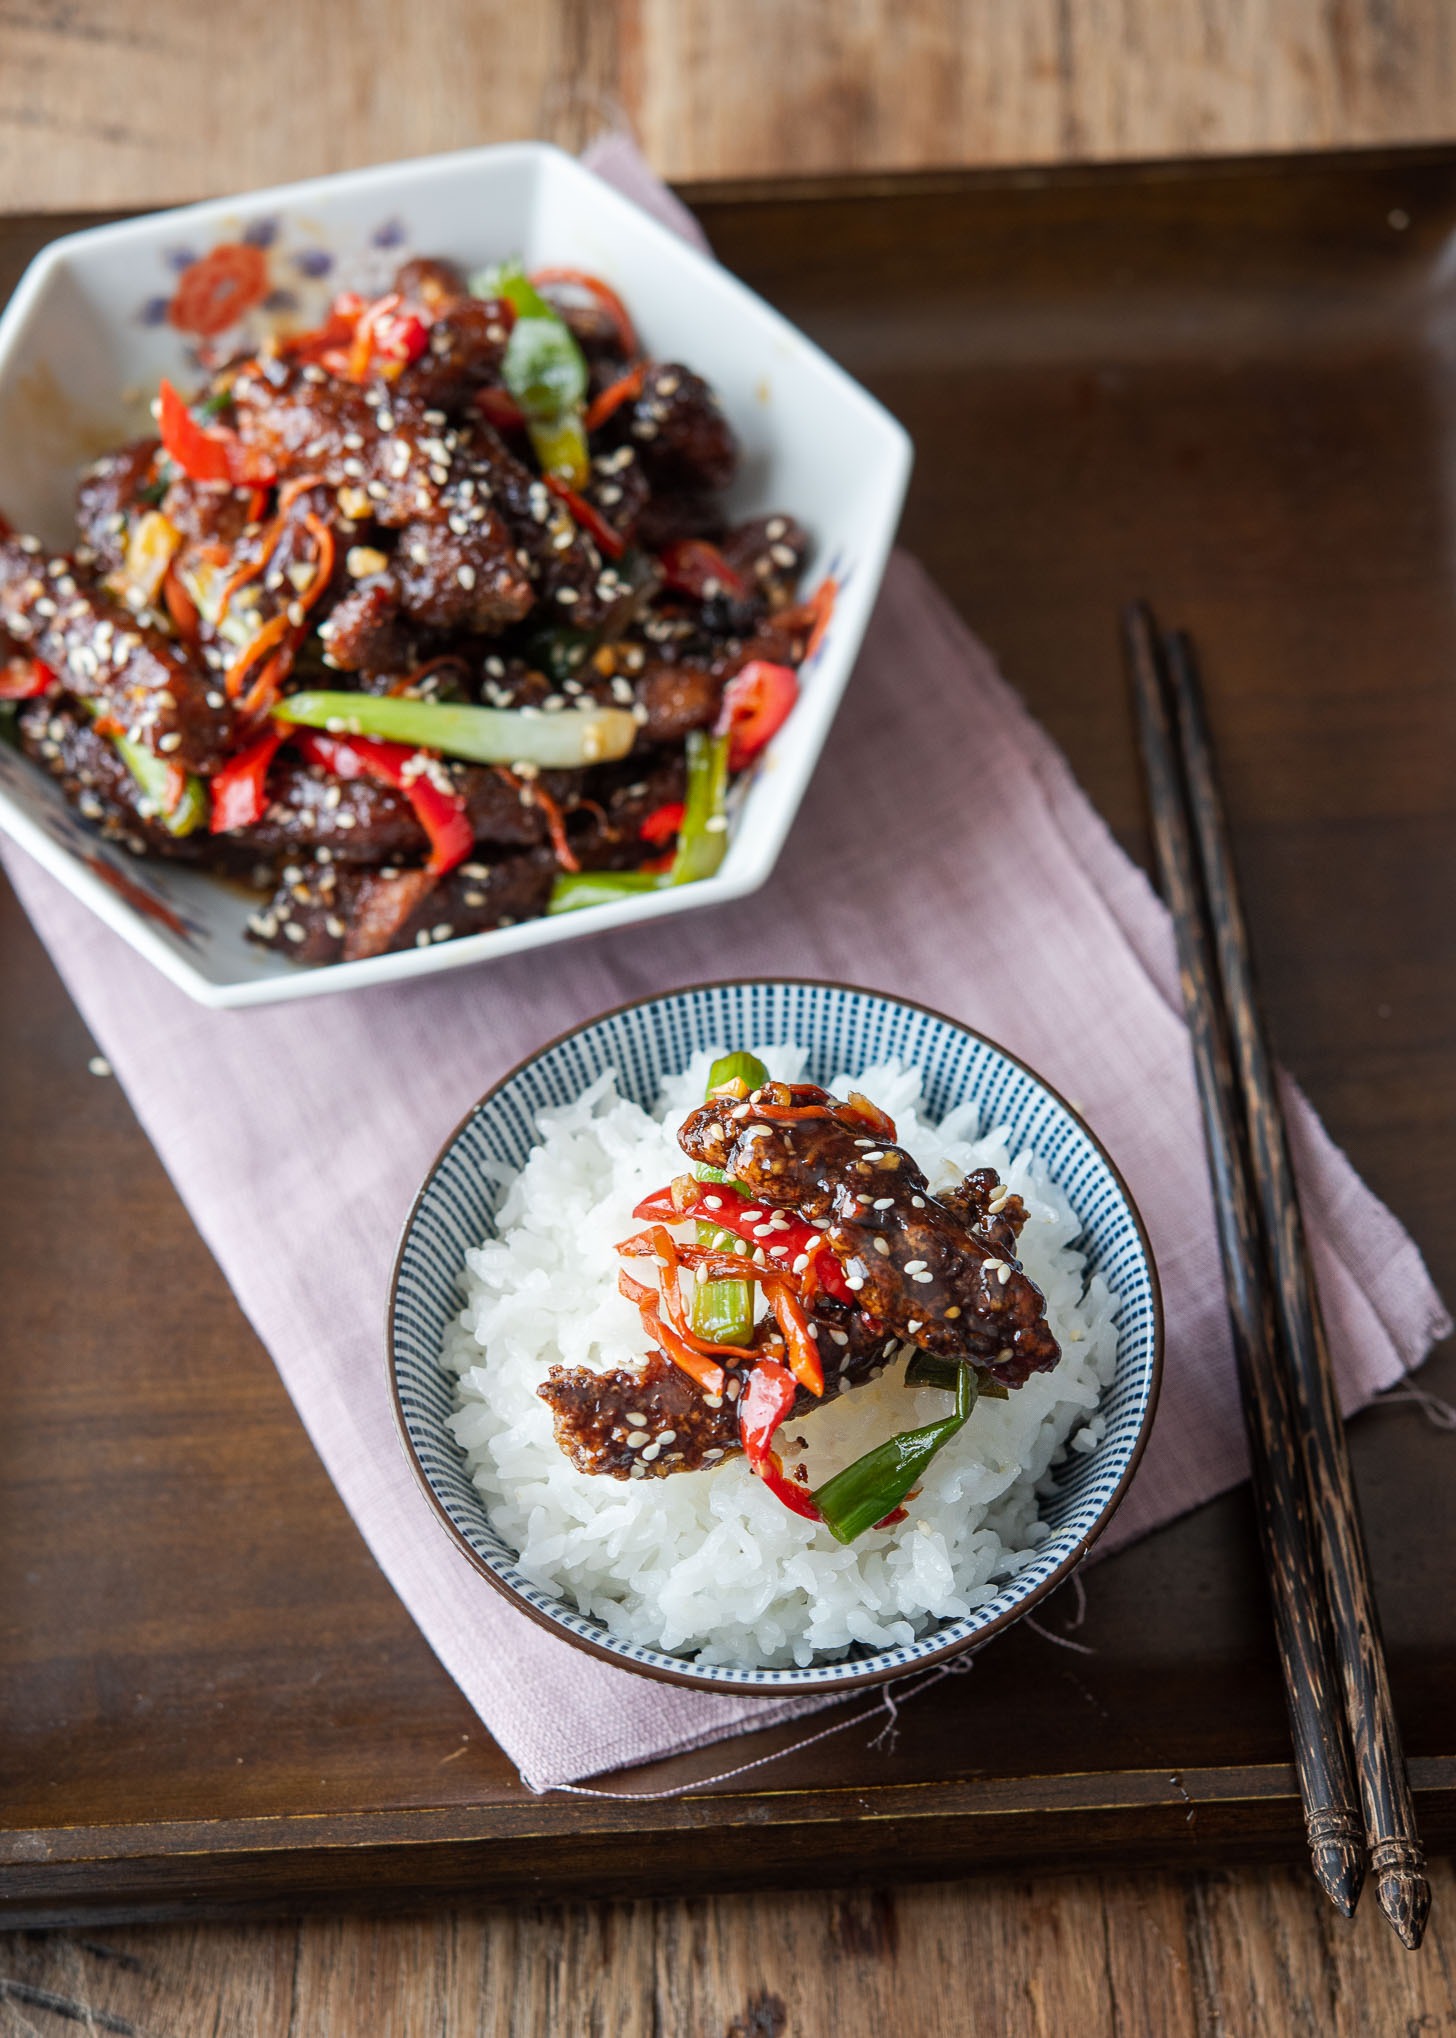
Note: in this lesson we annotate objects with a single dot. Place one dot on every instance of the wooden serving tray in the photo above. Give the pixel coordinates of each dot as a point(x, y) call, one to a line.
point(1231, 388)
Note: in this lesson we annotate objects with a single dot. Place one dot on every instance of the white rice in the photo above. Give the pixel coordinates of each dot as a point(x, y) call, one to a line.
point(709, 1564)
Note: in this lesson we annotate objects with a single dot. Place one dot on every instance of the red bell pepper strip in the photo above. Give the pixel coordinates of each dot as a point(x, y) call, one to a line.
point(390, 334)
point(26, 679)
point(756, 704)
point(604, 295)
point(787, 1242)
point(240, 789)
point(499, 408)
point(591, 520)
point(767, 1398)
point(205, 453)
point(693, 566)
point(441, 814)
point(662, 824)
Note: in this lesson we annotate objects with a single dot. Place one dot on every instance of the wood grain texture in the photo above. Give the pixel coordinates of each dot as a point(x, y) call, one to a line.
point(1227, 1956)
point(130, 104)
point(151, 101)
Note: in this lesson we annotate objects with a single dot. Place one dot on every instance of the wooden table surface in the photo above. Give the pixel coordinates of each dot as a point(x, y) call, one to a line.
point(124, 104)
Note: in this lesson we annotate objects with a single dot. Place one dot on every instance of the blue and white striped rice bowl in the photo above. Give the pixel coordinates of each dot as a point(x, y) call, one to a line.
point(838, 1027)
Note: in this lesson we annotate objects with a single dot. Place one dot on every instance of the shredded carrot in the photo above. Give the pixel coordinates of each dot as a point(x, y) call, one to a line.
point(537, 796)
point(287, 496)
point(291, 490)
point(603, 293)
point(412, 679)
point(804, 1361)
point(323, 537)
point(264, 691)
point(707, 1376)
point(812, 615)
point(181, 608)
point(635, 1291)
point(174, 785)
point(267, 640)
point(624, 390)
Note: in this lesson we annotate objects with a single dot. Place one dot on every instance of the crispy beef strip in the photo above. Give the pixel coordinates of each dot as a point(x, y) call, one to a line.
point(58, 735)
point(364, 632)
point(358, 821)
point(653, 1420)
point(480, 537)
point(769, 552)
point(611, 1422)
point(323, 912)
point(207, 513)
point(108, 495)
point(455, 565)
point(108, 656)
point(467, 344)
point(917, 1265)
point(681, 434)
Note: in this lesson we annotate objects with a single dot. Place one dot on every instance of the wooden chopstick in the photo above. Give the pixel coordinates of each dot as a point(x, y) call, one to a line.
point(1316, 1718)
point(1326, 1783)
point(1308, 1516)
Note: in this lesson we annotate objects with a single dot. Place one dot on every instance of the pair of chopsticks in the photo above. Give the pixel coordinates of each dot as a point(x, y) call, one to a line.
point(1347, 1751)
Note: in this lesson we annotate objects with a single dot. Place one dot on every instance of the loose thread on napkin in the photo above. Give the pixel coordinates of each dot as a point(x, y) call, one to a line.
point(900, 1692)
point(889, 1702)
point(1438, 1413)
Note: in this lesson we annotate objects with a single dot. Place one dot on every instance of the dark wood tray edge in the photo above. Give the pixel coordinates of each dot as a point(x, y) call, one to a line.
point(1145, 170)
point(564, 1848)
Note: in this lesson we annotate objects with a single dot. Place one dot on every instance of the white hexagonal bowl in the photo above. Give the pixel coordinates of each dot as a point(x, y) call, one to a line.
point(86, 338)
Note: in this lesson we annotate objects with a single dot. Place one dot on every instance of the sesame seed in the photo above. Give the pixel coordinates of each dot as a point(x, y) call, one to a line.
point(884, 1203)
point(914, 1324)
point(882, 1245)
point(926, 1276)
point(466, 576)
point(636, 1438)
point(1003, 1273)
point(874, 1155)
point(914, 1266)
point(169, 742)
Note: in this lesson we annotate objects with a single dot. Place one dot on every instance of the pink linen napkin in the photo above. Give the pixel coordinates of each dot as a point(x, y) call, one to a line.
point(932, 751)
